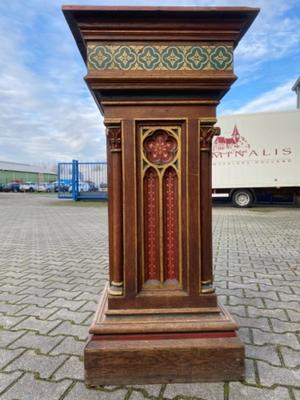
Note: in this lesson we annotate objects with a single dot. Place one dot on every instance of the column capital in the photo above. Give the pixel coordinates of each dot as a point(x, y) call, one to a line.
point(113, 133)
point(207, 132)
point(112, 122)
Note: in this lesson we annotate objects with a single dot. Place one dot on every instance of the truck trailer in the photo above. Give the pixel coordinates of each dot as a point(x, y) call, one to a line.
point(257, 157)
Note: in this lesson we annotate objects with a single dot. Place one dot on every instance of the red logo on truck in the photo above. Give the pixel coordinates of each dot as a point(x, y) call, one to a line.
point(222, 143)
point(237, 147)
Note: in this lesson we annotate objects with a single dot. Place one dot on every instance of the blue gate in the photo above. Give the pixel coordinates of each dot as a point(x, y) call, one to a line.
point(64, 180)
point(82, 180)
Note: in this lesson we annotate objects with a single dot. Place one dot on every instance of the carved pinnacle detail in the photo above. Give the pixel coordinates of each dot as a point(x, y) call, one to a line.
point(207, 132)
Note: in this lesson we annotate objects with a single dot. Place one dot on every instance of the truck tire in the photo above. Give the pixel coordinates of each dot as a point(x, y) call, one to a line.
point(242, 198)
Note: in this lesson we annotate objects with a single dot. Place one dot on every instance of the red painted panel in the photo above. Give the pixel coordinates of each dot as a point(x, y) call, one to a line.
point(151, 225)
point(170, 213)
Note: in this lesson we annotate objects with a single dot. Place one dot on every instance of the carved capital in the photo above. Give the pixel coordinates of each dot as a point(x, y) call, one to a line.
point(113, 133)
point(207, 132)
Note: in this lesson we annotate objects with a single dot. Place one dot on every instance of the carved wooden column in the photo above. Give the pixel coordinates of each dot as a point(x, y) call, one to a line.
point(115, 220)
point(207, 132)
point(157, 76)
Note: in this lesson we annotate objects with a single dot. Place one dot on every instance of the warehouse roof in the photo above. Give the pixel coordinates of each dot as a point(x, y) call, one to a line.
point(13, 166)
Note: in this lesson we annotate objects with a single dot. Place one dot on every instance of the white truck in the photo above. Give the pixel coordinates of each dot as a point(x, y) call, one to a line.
point(257, 157)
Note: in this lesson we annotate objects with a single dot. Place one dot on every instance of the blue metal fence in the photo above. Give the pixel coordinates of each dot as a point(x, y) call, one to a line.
point(64, 180)
point(82, 180)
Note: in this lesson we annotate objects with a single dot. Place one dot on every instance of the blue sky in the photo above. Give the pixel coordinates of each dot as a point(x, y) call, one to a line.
point(46, 111)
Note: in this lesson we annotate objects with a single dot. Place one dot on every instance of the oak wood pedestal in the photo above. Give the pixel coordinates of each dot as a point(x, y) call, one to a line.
point(157, 75)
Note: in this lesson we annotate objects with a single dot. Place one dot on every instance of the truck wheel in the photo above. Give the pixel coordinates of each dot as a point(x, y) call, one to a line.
point(242, 198)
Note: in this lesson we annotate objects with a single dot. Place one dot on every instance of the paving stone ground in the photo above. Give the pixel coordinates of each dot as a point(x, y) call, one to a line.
point(53, 265)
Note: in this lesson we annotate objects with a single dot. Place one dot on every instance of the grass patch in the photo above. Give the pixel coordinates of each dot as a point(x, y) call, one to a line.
point(80, 203)
point(274, 208)
point(42, 193)
point(262, 210)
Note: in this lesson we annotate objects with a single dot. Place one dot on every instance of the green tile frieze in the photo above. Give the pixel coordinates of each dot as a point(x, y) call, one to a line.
point(159, 57)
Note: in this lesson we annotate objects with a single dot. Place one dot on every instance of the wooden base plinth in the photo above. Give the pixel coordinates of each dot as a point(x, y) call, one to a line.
point(138, 349)
point(155, 360)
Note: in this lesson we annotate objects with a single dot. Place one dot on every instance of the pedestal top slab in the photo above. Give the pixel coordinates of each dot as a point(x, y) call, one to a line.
point(213, 23)
point(158, 49)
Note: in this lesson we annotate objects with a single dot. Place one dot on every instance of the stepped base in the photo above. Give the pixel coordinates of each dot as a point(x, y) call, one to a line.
point(200, 347)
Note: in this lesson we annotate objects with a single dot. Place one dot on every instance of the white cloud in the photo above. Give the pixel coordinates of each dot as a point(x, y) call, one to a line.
point(280, 98)
point(46, 111)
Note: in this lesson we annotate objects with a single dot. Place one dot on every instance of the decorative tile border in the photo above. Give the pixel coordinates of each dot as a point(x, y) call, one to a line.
point(159, 57)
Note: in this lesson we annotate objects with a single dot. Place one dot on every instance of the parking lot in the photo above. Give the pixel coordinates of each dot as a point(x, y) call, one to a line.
point(53, 266)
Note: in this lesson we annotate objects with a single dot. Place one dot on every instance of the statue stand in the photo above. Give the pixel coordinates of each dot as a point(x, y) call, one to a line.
point(157, 75)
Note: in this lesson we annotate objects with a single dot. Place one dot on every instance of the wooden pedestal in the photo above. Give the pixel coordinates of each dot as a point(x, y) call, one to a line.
point(187, 345)
point(157, 75)
point(212, 357)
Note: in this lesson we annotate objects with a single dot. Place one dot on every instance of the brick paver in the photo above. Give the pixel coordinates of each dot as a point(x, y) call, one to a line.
point(53, 266)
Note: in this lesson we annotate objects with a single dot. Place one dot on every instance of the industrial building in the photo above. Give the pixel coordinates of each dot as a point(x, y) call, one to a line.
point(17, 172)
